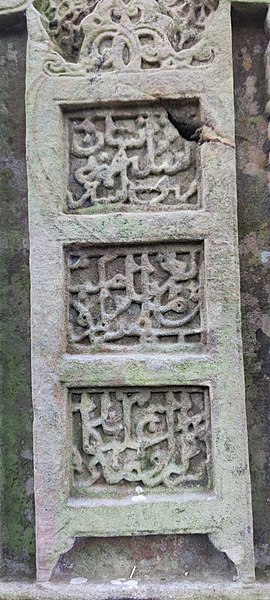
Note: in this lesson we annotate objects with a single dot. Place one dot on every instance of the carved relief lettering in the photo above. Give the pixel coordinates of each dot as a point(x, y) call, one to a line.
point(132, 295)
point(145, 436)
point(130, 159)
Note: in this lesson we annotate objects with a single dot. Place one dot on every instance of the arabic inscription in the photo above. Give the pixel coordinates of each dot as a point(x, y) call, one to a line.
point(130, 159)
point(133, 296)
point(142, 436)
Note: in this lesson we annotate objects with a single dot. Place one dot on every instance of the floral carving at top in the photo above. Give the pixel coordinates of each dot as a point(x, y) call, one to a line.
point(143, 34)
point(190, 18)
point(111, 35)
point(62, 19)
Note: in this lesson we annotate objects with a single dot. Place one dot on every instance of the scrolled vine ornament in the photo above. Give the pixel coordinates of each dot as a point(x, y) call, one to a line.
point(128, 35)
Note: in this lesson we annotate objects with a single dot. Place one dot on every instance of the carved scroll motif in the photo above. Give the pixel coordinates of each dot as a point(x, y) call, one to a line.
point(143, 34)
point(129, 296)
point(62, 19)
point(135, 158)
point(148, 436)
point(108, 35)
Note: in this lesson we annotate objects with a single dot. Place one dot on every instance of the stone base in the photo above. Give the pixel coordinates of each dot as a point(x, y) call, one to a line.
point(127, 591)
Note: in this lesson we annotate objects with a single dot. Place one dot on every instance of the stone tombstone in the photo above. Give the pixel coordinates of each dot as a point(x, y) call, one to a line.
point(138, 385)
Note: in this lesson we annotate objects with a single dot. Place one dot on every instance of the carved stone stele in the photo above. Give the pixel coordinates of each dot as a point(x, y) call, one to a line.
point(137, 368)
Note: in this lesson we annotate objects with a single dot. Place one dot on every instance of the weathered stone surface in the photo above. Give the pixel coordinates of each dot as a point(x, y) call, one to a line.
point(254, 251)
point(148, 559)
point(126, 229)
point(141, 270)
point(115, 591)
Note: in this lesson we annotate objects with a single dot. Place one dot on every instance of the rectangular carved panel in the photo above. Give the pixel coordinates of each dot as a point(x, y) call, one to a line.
point(149, 436)
point(131, 159)
point(134, 296)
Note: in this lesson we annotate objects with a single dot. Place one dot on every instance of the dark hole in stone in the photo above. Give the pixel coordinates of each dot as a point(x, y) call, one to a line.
point(185, 117)
point(192, 338)
point(186, 130)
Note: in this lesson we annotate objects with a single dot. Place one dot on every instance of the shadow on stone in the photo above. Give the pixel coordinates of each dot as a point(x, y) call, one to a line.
point(144, 559)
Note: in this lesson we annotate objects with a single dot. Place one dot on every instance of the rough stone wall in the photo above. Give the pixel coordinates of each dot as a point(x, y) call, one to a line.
point(17, 527)
point(250, 42)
